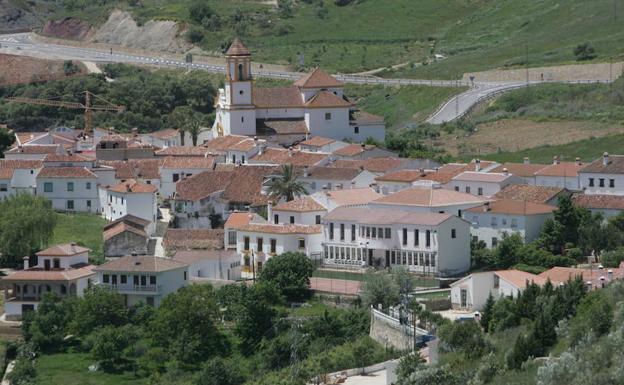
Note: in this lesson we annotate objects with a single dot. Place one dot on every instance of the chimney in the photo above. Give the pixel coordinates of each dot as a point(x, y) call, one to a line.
point(135, 258)
point(486, 207)
point(605, 159)
point(270, 210)
point(255, 140)
point(26, 263)
point(578, 161)
point(610, 274)
point(505, 171)
point(555, 159)
point(305, 171)
point(526, 160)
point(477, 165)
point(422, 172)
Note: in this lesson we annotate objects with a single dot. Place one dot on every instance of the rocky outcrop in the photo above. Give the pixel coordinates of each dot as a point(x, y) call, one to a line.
point(68, 28)
point(121, 29)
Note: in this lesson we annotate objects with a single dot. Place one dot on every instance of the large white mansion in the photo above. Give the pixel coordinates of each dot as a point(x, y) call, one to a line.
point(314, 105)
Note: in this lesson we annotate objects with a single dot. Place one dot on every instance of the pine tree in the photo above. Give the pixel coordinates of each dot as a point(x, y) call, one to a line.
point(486, 314)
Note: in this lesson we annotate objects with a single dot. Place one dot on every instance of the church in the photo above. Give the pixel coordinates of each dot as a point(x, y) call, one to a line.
point(314, 105)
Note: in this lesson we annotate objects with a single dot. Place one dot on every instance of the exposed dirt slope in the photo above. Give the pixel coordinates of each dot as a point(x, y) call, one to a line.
point(22, 69)
point(68, 28)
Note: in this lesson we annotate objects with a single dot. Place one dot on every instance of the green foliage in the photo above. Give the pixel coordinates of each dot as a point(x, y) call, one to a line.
point(185, 325)
point(189, 121)
point(432, 375)
point(255, 316)
point(47, 328)
point(409, 364)
point(486, 313)
point(379, 289)
point(612, 258)
point(584, 51)
point(110, 345)
point(26, 226)
point(290, 273)
point(69, 68)
point(6, 140)
point(100, 307)
point(595, 314)
point(24, 370)
point(286, 185)
point(219, 371)
point(464, 337)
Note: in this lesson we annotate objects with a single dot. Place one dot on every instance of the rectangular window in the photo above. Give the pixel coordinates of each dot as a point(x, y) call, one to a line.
point(48, 187)
point(480, 191)
point(611, 183)
point(260, 243)
point(494, 221)
point(342, 235)
point(368, 233)
point(301, 243)
point(135, 280)
point(428, 238)
point(317, 220)
point(233, 158)
point(143, 280)
point(352, 233)
point(380, 232)
point(416, 237)
point(467, 189)
point(514, 222)
point(356, 130)
point(276, 219)
point(70, 186)
point(328, 116)
point(331, 231)
point(496, 281)
point(453, 233)
point(70, 205)
point(88, 185)
point(388, 234)
point(124, 279)
point(494, 241)
point(176, 177)
point(88, 203)
point(3, 187)
point(456, 188)
point(432, 260)
point(404, 236)
point(273, 245)
point(246, 243)
point(231, 237)
point(105, 278)
point(374, 232)
point(292, 219)
point(591, 182)
point(152, 279)
point(601, 182)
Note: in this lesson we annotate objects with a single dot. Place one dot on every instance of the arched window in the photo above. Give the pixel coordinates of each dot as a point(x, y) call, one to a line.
point(240, 72)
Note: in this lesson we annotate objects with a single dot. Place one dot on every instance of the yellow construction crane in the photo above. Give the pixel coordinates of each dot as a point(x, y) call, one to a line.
point(87, 106)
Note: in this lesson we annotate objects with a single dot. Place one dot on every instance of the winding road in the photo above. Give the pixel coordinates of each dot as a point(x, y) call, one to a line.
point(23, 44)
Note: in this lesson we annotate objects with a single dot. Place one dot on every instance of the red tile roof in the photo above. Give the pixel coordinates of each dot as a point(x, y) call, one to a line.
point(377, 216)
point(429, 197)
point(350, 197)
point(189, 162)
point(39, 274)
point(121, 227)
point(6, 173)
point(327, 99)
point(140, 263)
point(486, 177)
point(318, 79)
point(230, 143)
point(511, 207)
point(202, 185)
point(266, 127)
point(607, 202)
point(317, 141)
point(331, 173)
point(376, 165)
point(293, 157)
point(615, 165)
point(247, 183)
point(63, 250)
point(35, 149)
point(65, 158)
point(526, 192)
point(353, 149)
point(238, 219)
point(519, 278)
point(562, 169)
point(165, 134)
point(192, 239)
point(183, 151)
point(277, 97)
point(302, 204)
point(135, 168)
point(520, 169)
point(281, 229)
point(410, 176)
point(20, 163)
point(131, 186)
point(237, 48)
point(66, 172)
point(193, 256)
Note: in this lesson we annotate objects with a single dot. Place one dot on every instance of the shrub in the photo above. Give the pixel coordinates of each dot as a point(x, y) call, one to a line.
point(584, 51)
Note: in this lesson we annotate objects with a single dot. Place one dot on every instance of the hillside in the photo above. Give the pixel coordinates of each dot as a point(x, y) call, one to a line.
point(365, 34)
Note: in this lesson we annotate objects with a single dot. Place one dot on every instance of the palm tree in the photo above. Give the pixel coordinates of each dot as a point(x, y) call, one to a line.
point(185, 119)
point(286, 184)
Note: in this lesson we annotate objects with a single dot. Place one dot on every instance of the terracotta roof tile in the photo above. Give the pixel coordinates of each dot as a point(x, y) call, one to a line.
point(6, 173)
point(520, 278)
point(302, 204)
point(66, 172)
point(275, 97)
point(458, 168)
point(35, 149)
point(202, 185)
point(318, 141)
point(293, 157)
point(608, 202)
point(351, 197)
point(165, 134)
point(39, 274)
point(183, 151)
point(20, 163)
point(189, 162)
point(237, 48)
point(140, 263)
point(354, 149)
point(25, 137)
point(131, 186)
point(511, 207)
point(230, 143)
point(65, 158)
point(429, 197)
point(63, 250)
point(331, 173)
point(410, 176)
point(615, 165)
point(121, 227)
point(378, 216)
point(190, 239)
point(486, 177)
point(265, 127)
point(526, 192)
point(281, 229)
point(376, 165)
point(247, 183)
point(563, 169)
point(238, 219)
point(520, 169)
point(327, 99)
point(193, 256)
point(128, 219)
point(318, 79)
point(135, 168)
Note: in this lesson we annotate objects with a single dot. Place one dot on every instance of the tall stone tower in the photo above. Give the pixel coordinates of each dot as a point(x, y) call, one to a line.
point(236, 113)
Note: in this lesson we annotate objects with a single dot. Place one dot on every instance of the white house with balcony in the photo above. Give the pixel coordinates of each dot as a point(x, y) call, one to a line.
point(131, 198)
point(471, 292)
point(426, 243)
point(61, 269)
point(304, 210)
point(143, 279)
point(491, 221)
point(258, 240)
point(604, 176)
point(69, 188)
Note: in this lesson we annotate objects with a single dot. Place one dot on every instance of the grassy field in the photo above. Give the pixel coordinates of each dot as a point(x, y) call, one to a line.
point(85, 229)
point(473, 34)
point(73, 369)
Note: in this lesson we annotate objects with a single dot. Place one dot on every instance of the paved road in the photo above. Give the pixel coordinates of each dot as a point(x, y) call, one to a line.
point(458, 106)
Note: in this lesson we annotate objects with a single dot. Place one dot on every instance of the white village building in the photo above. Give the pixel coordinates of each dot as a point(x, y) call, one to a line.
point(130, 198)
point(314, 105)
point(603, 176)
